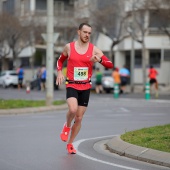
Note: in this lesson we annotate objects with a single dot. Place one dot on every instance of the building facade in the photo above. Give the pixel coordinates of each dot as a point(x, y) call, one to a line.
point(34, 13)
point(69, 13)
point(156, 42)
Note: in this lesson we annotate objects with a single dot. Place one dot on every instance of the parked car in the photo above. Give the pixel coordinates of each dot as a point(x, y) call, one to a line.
point(34, 83)
point(8, 78)
point(107, 81)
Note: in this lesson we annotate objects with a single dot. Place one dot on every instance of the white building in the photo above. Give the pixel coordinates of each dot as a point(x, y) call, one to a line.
point(34, 12)
point(157, 47)
point(71, 12)
point(157, 43)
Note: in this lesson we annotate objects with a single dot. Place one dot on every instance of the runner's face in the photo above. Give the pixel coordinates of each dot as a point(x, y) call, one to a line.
point(84, 34)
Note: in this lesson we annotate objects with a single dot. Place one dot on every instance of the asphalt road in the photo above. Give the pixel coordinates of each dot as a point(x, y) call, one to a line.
point(31, 141)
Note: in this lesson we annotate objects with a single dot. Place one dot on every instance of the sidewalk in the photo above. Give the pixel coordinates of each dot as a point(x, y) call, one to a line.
point(122, 148)
point(32, 110)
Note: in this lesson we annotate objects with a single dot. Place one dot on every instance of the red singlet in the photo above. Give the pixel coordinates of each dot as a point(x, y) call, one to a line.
point(79, 67)
point(152, 73)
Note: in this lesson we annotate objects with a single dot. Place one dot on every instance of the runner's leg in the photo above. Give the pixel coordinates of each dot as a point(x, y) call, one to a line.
point(73, 107)
point(97, 89)
point(77, 125)
point(156, 89)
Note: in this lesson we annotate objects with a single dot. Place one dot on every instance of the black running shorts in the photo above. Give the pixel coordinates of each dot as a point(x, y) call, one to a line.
point(82, 96)
point(20, 80)
point(152, 81)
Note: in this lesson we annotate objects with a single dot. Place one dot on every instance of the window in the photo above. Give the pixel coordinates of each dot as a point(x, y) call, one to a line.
point(13, 74)
point(59, 6)
point(158, 18)
point(71, 2)
point(155, 57)
point(41, 5)
point(166, 55)
point(25, 61)
point(8, 6)
point(138, 58)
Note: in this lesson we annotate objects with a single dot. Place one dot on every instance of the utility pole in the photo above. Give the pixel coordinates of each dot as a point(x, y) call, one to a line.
point(132, 61)
point(50, 53)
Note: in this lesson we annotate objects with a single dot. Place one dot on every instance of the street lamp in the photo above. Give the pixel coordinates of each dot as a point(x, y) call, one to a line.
point(132, 61)
point(50, 53)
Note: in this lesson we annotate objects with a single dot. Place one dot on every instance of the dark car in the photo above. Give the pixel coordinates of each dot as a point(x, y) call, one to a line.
point(34, 83)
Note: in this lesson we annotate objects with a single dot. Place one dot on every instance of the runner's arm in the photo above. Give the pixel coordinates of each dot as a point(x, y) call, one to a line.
point(60, 77)
point(101, 58)
point(62, 58)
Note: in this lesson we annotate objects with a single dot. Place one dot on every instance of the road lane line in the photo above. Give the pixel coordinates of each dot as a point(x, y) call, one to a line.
point(124, 109)
point(77, 143)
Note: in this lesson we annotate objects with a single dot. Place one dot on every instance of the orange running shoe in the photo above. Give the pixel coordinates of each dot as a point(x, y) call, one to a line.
point(65, 133)
point(70, 149)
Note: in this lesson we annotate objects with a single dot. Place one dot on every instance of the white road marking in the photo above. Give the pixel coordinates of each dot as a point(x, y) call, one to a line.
point(77, 143)
point(124, 109)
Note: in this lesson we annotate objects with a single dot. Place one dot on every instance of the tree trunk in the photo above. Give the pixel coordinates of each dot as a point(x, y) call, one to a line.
point(144, 63)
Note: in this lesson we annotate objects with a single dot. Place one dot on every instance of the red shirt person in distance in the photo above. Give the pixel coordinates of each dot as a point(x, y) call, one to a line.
point(153, 80)
point(81, 56)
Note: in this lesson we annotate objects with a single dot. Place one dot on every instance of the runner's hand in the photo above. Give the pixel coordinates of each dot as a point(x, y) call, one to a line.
point(60, 78)
point(95, 58)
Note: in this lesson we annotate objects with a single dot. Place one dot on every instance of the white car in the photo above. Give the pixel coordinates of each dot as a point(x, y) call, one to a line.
point(8, 78)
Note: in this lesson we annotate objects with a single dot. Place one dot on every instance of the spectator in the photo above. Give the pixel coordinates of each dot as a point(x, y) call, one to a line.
point(43, 77)
point(99, 88)
point(153, 80)
point(116, 77)
point(124, 76)
point(20, 72)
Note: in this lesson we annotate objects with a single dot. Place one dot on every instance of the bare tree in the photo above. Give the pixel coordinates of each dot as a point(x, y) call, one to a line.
point(4, 48)
point(161, 15)
point(109, 19)
point(140, 13)
point(16, 37)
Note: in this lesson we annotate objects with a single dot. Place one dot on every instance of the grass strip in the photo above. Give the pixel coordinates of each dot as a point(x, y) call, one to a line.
point(157, 137)
point(11, 104)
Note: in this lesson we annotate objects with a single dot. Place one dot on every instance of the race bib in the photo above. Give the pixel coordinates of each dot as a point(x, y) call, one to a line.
point(80, 73)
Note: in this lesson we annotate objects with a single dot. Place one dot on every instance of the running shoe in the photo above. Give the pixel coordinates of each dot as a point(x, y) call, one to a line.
point(65, 133)
point(70, 149)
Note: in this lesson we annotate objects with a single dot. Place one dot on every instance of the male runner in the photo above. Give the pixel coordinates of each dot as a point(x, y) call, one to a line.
point(80, 55)
point(153, 80)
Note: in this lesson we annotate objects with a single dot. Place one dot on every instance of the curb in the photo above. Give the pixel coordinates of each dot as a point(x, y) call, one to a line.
point(122, 148)
point(32, 109)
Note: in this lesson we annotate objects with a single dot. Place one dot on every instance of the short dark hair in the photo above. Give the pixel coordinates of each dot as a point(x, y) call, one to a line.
point(82, 24)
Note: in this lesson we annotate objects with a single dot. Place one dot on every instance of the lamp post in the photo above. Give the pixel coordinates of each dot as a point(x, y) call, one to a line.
point(50, 53)
point(132, 61)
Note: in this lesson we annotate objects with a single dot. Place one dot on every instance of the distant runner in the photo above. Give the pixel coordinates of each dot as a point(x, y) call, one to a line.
point(153, 80)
